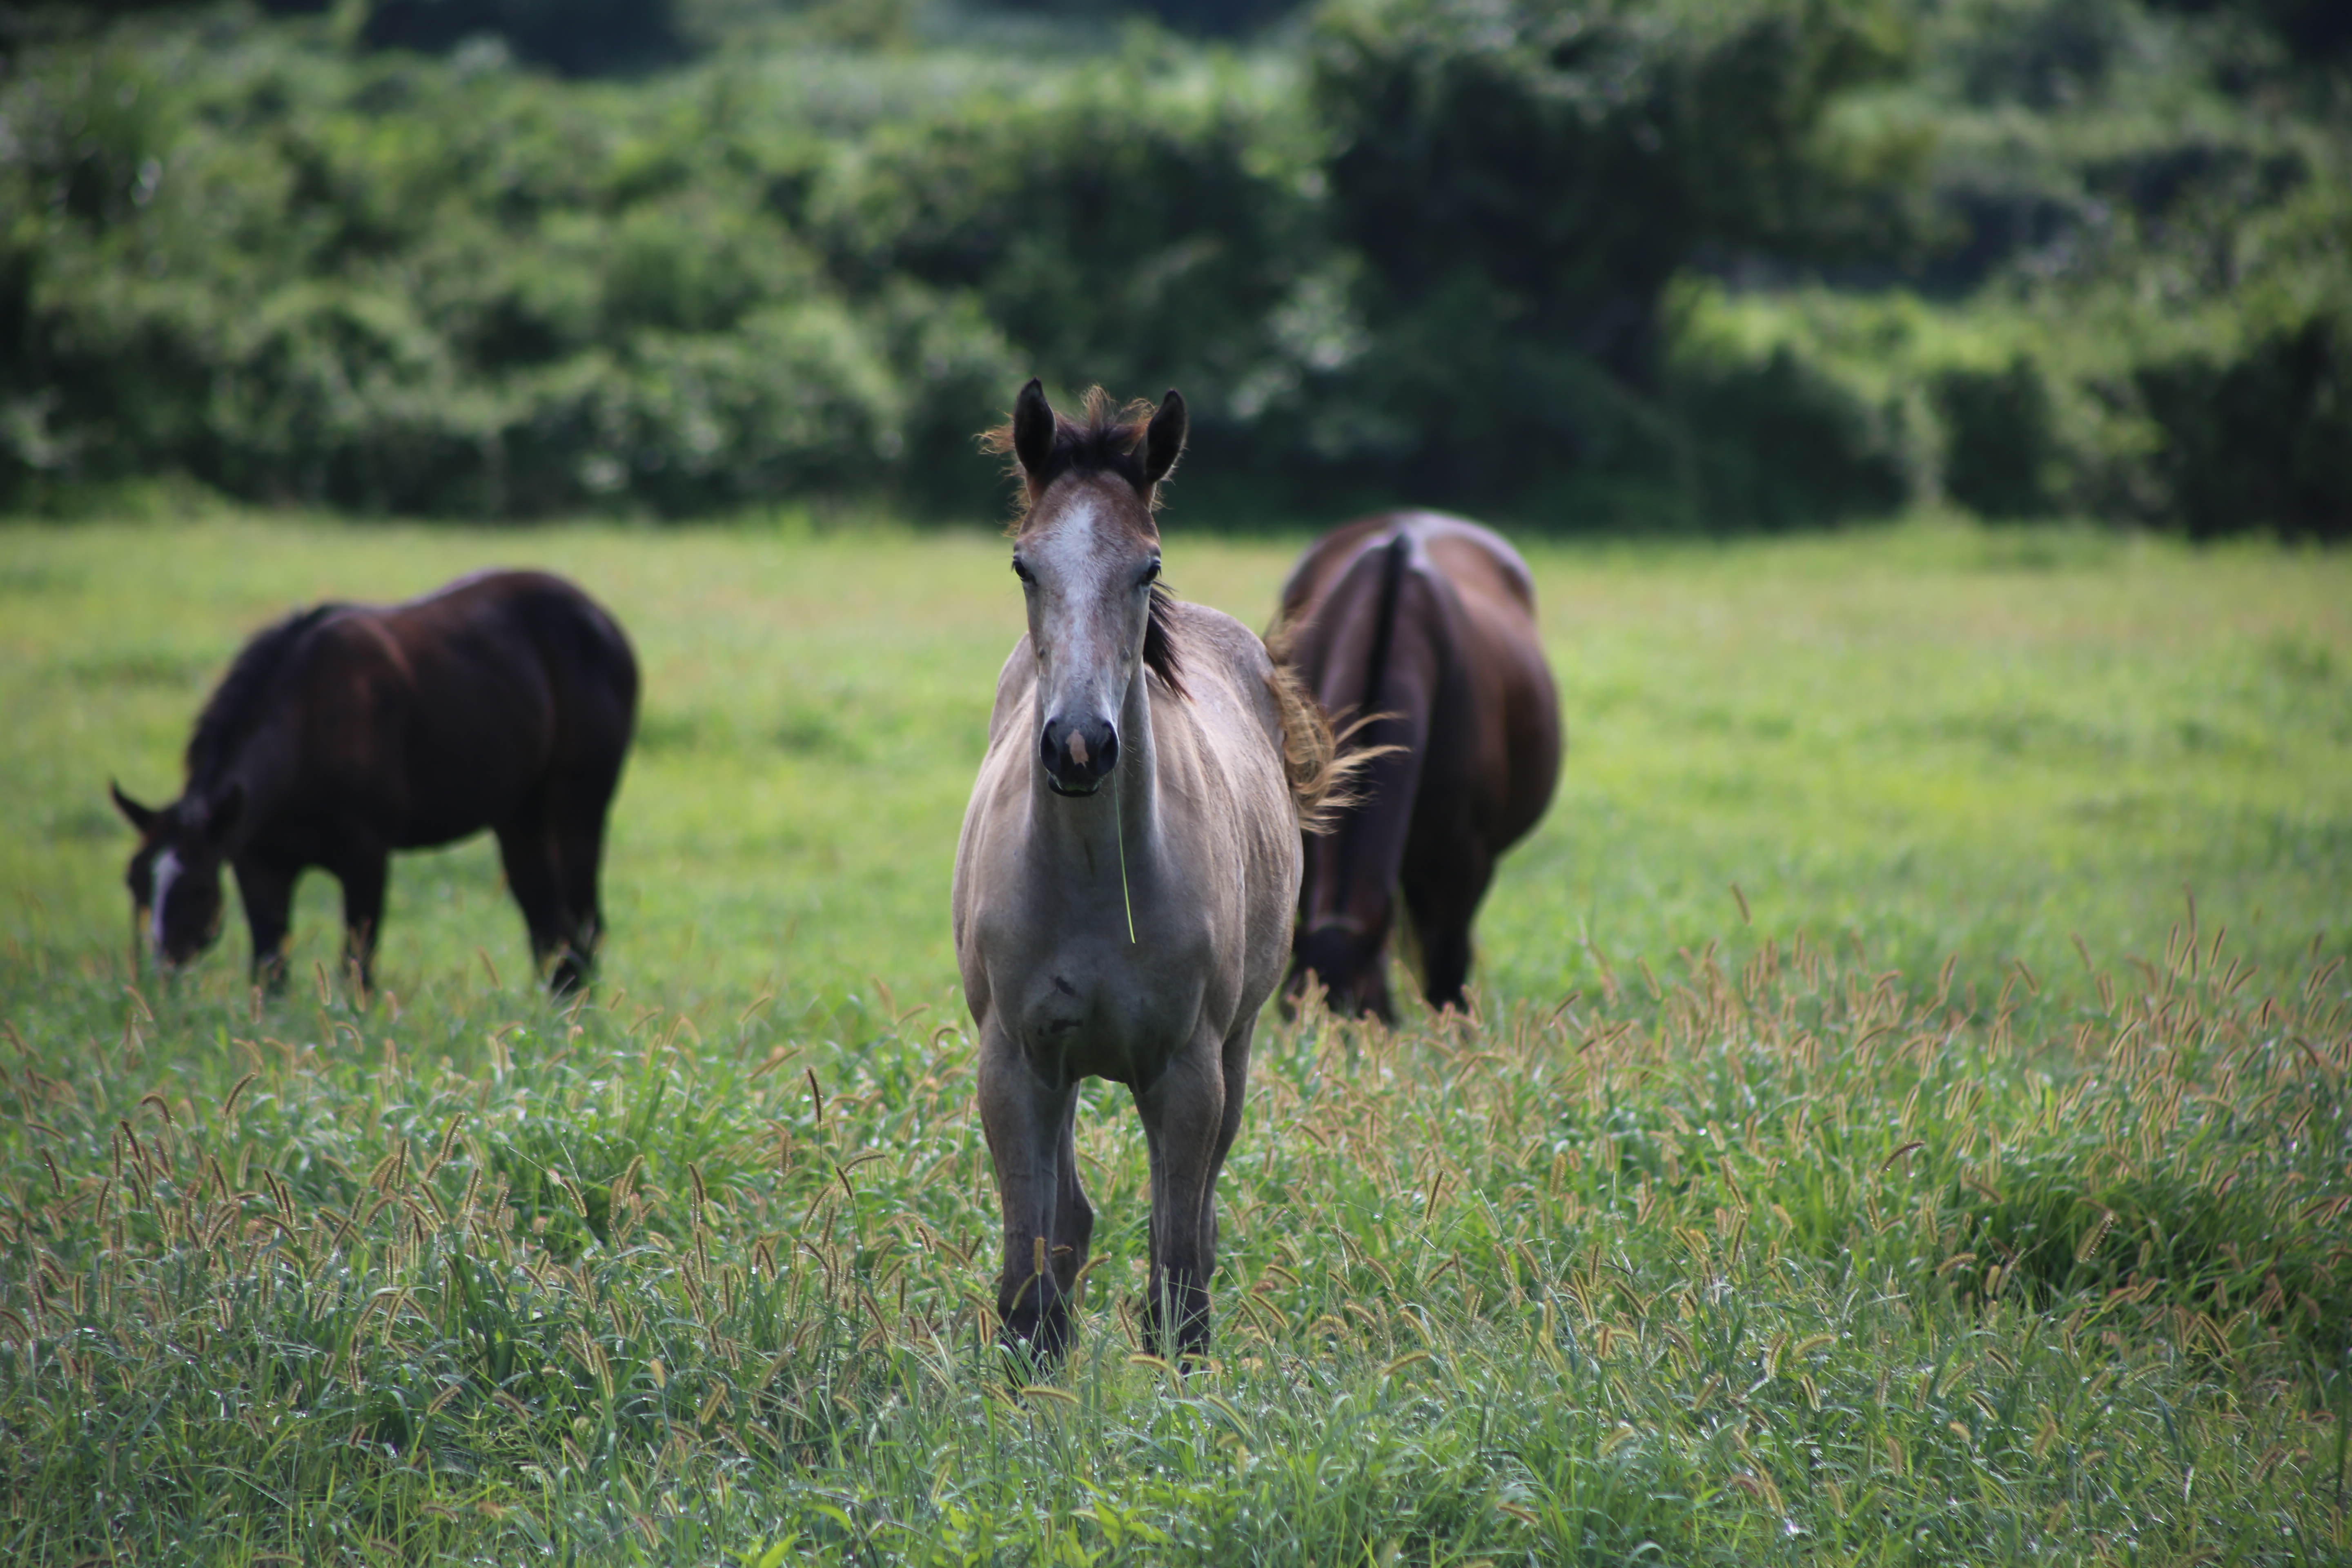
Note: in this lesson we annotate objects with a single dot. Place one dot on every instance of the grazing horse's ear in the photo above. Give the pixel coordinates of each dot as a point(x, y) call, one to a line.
point(1032, 430)
point(142, 818)
point(222, 811)
point(1163, 439)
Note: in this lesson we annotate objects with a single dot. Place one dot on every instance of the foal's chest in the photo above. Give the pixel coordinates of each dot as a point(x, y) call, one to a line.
point(1100, 1008)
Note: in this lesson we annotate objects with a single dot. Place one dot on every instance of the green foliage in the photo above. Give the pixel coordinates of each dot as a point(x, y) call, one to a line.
point(578, 38)
point(2001, 452)
point(1572, 266)
point(1560, 168)
point(2263, 437)
point(1136, 224)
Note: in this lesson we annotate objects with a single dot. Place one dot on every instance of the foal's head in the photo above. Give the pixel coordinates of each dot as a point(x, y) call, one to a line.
point(174, 873)
point(1087, 554)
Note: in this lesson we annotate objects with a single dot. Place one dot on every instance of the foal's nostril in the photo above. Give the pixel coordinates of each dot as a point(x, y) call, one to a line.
point(1106, 753)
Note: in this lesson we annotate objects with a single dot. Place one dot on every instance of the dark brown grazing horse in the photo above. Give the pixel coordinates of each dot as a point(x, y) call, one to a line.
point(1421, 628)
point(505, 701)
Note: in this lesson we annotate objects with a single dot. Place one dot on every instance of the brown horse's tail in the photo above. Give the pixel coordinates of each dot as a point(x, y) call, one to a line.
point(1322, 775)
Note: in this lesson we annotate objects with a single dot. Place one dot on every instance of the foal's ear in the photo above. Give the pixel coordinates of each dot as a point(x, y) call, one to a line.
point(1032, 429)
point(142, 818)
point(1163, 439)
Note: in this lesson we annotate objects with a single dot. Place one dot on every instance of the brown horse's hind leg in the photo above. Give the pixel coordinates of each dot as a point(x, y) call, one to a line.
point(578, 853)
point(1029, 1125)
point(1442, 904)
point(527, 850)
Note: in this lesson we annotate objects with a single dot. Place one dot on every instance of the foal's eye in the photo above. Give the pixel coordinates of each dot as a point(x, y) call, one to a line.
point(1150, 575)
point(1021, 570)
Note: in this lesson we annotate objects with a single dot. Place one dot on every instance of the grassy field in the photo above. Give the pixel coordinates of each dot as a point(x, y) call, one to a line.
point(1970, 1185)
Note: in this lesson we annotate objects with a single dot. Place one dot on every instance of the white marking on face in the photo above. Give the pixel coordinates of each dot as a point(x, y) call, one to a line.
point(1067, 551)
point(167, 871)
point(1084, 612)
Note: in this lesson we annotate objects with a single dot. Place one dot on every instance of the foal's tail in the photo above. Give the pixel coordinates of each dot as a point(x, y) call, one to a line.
point(1322, 775)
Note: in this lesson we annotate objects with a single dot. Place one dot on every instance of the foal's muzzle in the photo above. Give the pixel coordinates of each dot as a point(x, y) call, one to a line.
point(1077, 756)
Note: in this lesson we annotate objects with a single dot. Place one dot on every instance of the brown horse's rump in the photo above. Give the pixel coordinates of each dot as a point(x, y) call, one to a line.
point(1419, 627)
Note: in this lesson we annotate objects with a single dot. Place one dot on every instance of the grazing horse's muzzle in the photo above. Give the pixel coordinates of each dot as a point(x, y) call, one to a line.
point(1077, 756)
point(1351, 964)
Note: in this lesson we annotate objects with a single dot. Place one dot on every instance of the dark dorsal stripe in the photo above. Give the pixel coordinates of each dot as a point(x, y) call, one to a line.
point(1376, 668)
point(236, 703)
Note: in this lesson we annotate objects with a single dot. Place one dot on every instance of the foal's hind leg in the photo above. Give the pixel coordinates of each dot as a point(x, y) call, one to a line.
point(1074, 1218)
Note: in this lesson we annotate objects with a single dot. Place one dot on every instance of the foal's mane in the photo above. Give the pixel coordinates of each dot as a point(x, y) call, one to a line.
point(1103, 439)
point(233, 708)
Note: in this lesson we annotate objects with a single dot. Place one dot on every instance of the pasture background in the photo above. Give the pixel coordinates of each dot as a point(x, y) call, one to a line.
point(1938, 740)
point(1730, 1242)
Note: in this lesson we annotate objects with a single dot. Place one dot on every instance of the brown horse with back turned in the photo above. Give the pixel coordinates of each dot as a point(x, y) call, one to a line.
point(1421, 628)
point(505, 701)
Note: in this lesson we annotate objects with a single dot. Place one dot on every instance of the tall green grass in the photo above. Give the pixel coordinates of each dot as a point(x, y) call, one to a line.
point(1764, 1266)
point(1861, 1215)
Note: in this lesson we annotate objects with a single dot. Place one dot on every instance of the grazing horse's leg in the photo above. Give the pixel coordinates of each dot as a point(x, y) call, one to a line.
point(364, 871)
point(1028, 1122)
point(579, 816)
point(268, 890)
point(1186, 1126)
point(527, 850)
point(1441, 895)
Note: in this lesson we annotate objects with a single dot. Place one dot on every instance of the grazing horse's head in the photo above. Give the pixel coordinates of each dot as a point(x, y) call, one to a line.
point(174, 875)
point(1087, 554)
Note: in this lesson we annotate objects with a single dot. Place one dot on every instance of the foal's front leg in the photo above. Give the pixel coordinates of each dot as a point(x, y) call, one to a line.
point(1184, 1122)
point(1027, 1119)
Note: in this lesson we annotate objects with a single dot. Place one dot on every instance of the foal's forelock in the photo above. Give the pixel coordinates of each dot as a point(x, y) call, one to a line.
point(1078, 525)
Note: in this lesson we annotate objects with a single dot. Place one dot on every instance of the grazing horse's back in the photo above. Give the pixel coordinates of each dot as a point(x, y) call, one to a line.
point(1421, 627)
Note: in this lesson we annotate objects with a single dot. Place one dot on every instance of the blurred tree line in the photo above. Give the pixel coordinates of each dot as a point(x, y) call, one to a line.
point(1638, 263)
